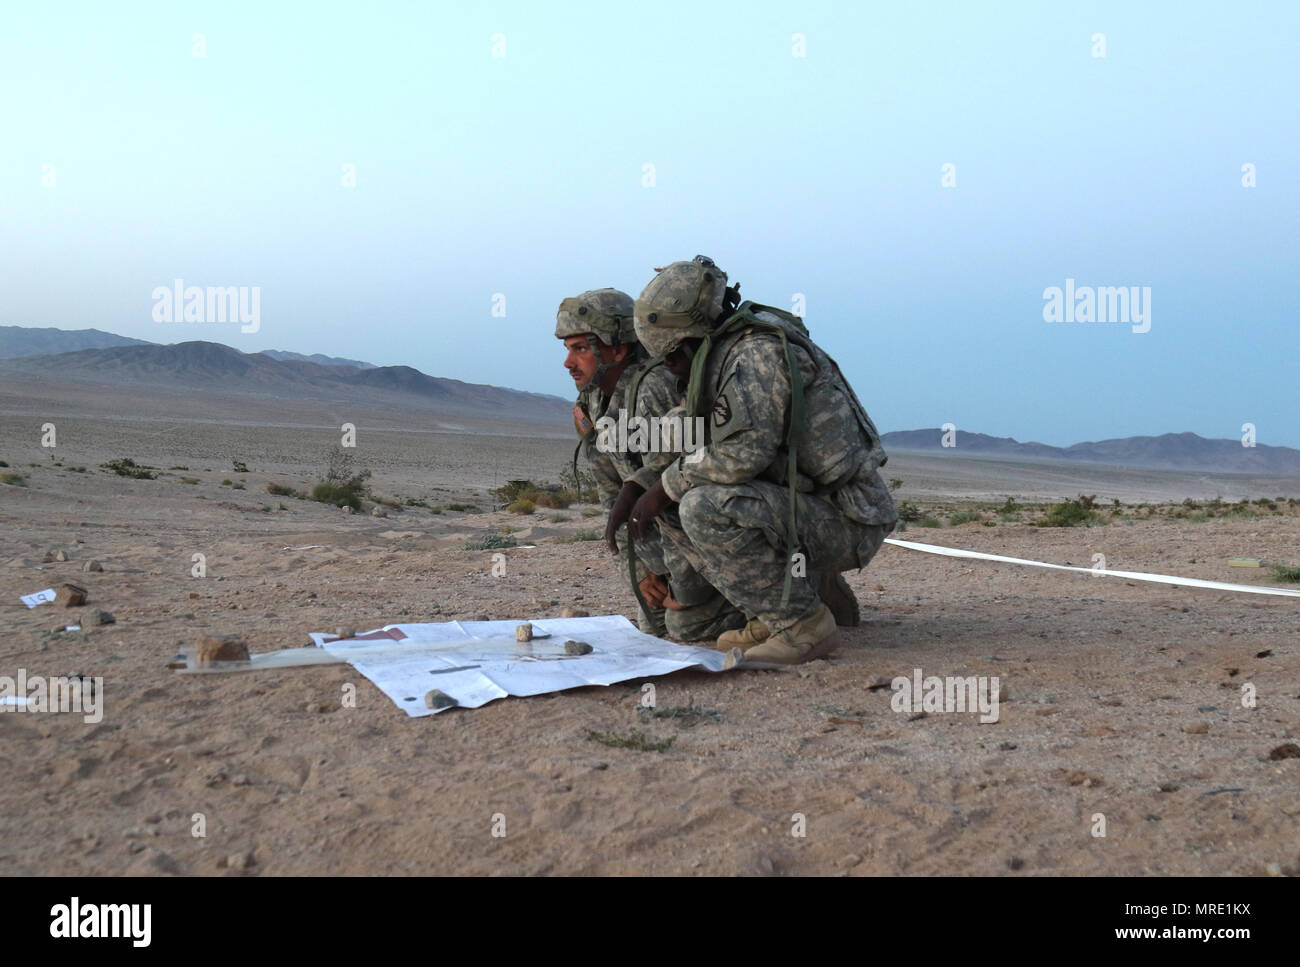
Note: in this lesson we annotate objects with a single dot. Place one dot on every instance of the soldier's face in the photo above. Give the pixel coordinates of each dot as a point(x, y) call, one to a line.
point(581, 361)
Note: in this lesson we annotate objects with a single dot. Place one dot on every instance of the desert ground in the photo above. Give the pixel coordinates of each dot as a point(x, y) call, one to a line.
point(1119, 698)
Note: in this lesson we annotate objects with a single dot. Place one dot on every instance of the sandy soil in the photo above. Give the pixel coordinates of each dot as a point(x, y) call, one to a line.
point(1124, 698)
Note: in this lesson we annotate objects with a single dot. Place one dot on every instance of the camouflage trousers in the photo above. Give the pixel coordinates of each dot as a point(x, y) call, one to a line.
point(705, 613)
point(736, 537)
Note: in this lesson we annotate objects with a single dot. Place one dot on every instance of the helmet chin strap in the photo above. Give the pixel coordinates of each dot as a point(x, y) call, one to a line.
point(603, 368)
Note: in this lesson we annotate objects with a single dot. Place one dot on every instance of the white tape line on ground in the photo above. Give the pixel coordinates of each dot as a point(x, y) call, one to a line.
point(1131, 575)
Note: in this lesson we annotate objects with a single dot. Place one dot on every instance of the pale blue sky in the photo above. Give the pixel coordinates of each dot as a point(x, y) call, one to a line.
point(522, 175)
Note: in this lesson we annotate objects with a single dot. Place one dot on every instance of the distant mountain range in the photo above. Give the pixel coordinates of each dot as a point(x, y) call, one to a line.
point(213, 368)
point(1169, 451)
point(18, 341)
point(93, 356)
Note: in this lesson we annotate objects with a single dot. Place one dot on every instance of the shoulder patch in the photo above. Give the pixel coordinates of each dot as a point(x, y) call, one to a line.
point(581, 421)
point(721, 411)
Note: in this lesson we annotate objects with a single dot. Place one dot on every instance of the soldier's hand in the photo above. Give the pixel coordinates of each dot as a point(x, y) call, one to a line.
point(654, 589)
point(652, 503)
point(621, 511)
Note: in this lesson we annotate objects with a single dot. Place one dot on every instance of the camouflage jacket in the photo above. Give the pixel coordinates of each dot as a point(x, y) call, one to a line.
point(612, 465)
point(746, 404)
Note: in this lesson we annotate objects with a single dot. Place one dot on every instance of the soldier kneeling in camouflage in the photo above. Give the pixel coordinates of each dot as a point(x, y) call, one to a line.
point(785, 494)
point(604, 359)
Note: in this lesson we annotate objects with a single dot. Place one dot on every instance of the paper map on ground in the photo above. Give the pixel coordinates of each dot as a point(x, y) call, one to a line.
point(475, 662)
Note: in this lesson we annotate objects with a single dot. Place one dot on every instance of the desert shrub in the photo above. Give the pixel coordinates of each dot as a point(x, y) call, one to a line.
point(343, 483)
point(539, 495)
point(963, 517)
point(126, 467)
point(3, 463)
point(390, 503)
point(178, 468)
point(558, 518)
point(239, 466)
point(1284, 572)
point(929, 522)
point(189, 480)
point(490, 542)
point(580, 484)
point(227, 482)
point(591, 512)
point(237, 486)
point(522, 507)
point(412, 502)
point(337, 494)
point(13, 479)
point(280, 490)
point(1069, 513)
point(908, 511)
point(469, 508)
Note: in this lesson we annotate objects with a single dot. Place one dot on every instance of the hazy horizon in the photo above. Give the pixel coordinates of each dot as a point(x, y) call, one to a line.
point(503, 152)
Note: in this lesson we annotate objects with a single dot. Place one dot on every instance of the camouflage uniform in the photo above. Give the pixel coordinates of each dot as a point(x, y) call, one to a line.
point(733, 494)
point(706, 613)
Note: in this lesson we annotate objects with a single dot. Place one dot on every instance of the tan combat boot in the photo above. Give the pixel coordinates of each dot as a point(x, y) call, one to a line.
point(754, 633)
point(809, 638)
point(839, 597)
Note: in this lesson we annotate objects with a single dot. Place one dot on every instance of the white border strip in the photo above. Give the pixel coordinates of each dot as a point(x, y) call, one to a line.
point(1130, 575)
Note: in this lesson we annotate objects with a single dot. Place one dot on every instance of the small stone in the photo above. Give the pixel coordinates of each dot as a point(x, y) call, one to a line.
point(766, 865)
point(574, 613)
point(577, 648)
point(878, 682)
point(312, 707)
point(97, 617)
point(180, 661)
point(239, 861)
point(1169, 787)
point(1015, 863)
point(346, 632)
point(1288, 750)
point(347, 509)
point(215, 648)
point(438, 699)
point(92, 566)
point(1196, 728)
point(916, 716)
point(61, 556)
point(379, 512)
point(1273, 869)
point(194, 595)
point(48, 558)
point(1008, 746)
point(524, 632)
point(70, 596)
point(239, 780)
point(136, 847)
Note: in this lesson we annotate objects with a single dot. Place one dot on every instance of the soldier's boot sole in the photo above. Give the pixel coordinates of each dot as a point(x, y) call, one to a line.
point(839, 597)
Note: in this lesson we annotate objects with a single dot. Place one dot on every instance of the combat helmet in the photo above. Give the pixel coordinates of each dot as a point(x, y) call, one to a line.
point(683, 301)
point(605, 312)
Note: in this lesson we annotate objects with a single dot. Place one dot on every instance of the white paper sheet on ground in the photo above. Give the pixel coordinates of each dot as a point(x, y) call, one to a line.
point(475, 662)
point(40, 597)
